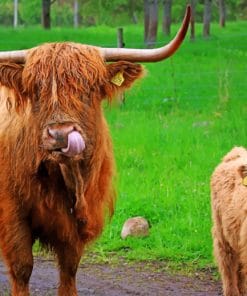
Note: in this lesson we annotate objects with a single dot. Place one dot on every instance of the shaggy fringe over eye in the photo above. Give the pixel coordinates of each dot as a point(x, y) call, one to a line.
point(62, 69)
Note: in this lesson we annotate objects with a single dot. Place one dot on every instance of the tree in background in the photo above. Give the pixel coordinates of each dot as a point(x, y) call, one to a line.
point(150, 22)
point(15, 13)
point(166, 24)
point(132, 11)
point(192, 19)
point(76, 14)
point(109, 12)
point(146, 20)
point(207, 17)
point(46, 13)
point(222, 13)
point(242, 7)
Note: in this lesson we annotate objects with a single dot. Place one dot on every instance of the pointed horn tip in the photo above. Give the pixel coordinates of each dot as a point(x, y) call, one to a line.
point(187, 15)
point(187, 18)
point(188, 7)
point(188, 10)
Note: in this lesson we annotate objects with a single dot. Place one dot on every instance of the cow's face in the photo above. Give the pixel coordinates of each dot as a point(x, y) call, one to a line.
point(64, 83)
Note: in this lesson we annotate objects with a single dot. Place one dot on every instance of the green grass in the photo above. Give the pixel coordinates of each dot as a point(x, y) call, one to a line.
point(176, 125)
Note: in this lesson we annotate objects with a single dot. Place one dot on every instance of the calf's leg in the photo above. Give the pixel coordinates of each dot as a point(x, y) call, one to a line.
point(228, 263)
point(242, 280)
point(242, 277)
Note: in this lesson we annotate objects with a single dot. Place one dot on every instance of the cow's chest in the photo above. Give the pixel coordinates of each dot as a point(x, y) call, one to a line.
point(52, 218)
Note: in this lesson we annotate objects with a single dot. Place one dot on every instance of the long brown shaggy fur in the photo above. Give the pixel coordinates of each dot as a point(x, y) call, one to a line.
point(229, 208)
point(58, 199)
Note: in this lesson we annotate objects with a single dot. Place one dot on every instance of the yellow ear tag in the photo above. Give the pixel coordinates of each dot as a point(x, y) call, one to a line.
point(118, 79)
point(244, 181)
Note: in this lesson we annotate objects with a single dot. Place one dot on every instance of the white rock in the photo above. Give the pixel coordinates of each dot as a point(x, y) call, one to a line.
point(137, 226)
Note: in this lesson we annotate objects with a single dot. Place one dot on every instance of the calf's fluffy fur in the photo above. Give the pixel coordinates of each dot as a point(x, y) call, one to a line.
point(229, 212)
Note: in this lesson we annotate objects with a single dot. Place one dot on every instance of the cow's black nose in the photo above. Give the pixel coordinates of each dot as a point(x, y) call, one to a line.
point(64, 138)
point(59, 132)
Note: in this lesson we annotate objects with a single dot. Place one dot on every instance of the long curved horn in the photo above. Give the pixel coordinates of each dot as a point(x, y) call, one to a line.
point(17, 56)
point(149, 55)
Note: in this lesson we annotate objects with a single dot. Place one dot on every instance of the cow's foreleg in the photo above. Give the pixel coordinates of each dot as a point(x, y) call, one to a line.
point(68, 259)
point(16, 247)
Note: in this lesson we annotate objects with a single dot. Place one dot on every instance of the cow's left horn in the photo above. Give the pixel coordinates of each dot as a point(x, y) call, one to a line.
point(149, 55)
point(17, 56)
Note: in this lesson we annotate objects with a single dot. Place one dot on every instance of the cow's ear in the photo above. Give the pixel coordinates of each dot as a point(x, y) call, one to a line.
point(11, 77)
point(120, 76)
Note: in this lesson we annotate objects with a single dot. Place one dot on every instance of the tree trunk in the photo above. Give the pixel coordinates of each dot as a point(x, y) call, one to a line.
point(120, 44)
point(167, 17)
point(15, 13)
point(222, 13)
point(192, 19)
point(46, 16)
point(132, 13)
point(153, 23)
point(76, 9)
point(146, 20)
point(207, 17)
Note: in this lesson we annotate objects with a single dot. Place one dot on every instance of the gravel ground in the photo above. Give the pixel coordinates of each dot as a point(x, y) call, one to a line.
point(144, 279)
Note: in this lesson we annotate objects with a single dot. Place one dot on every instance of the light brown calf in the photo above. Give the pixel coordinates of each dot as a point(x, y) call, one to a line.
point(229, 208)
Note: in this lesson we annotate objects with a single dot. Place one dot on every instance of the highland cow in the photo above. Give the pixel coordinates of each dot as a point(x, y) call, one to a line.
point(229, 208)
point(56, 159)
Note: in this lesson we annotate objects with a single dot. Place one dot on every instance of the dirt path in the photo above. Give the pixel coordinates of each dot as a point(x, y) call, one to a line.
point(117, 280)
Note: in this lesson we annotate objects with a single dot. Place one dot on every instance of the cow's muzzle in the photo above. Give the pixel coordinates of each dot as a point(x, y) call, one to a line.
point(63, 138)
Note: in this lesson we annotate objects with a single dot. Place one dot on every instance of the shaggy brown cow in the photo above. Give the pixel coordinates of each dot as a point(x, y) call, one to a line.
point(229, 207)
point(56, 155)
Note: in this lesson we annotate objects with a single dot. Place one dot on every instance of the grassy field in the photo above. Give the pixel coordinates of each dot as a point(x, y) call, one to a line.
point(173, 129)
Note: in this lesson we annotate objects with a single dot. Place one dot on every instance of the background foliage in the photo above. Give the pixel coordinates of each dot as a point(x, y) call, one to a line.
point(108, 12)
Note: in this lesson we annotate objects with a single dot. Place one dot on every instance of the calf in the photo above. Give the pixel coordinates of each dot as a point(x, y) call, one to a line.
point(229, 208)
